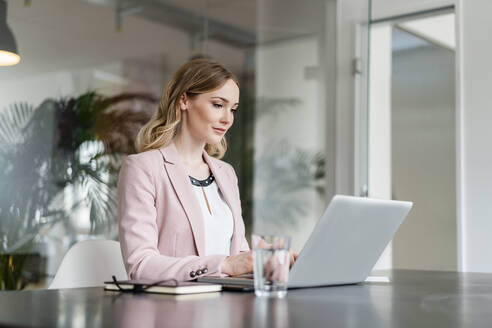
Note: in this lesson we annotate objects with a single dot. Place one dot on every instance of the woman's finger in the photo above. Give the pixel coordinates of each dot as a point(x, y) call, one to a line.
point(296, 255)
point(291, 259)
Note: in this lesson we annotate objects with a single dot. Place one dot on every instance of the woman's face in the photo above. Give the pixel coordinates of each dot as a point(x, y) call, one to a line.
point(210, 115)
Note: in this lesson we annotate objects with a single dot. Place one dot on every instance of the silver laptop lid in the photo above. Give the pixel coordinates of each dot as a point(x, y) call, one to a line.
point(347, 241)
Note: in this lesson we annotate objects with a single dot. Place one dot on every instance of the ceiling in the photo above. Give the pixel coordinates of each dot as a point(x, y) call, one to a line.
point(55, 35)
point(437, 30)
point(238, 13)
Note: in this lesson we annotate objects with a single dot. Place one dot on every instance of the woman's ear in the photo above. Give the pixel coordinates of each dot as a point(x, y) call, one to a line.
point(183, 102)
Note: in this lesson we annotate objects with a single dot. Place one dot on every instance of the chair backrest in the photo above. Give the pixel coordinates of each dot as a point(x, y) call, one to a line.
point(89, 263)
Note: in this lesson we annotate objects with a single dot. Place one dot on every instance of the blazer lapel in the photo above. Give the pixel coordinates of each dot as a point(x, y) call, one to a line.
point(227, 189)
point(184, 191)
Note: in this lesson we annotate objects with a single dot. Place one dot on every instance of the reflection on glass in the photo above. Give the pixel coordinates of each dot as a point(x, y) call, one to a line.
point(271, 312)
point(291, 118)
point(71, 109)
point(70, 144)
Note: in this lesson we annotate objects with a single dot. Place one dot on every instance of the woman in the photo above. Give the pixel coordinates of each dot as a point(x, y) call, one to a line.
point(179, 207)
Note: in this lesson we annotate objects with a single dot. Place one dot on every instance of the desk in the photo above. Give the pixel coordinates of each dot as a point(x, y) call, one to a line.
point(413, 299)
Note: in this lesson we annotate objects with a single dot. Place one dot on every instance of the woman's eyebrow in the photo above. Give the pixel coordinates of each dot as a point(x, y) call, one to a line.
point(223, 99)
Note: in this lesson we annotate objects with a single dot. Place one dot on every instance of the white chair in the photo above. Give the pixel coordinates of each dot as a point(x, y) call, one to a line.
point(89, 263)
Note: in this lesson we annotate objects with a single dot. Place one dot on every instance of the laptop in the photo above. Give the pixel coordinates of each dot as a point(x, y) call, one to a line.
point(344, 246)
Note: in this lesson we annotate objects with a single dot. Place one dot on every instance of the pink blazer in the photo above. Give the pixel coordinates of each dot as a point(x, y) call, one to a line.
point(160, 220)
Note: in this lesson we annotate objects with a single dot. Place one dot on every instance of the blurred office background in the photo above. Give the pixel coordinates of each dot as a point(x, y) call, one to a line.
point(358, 97)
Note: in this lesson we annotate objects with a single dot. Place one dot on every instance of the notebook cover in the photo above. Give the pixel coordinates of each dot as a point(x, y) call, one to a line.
point(165, 288)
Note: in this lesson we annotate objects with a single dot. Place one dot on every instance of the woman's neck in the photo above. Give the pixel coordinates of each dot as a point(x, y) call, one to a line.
point(189, 150)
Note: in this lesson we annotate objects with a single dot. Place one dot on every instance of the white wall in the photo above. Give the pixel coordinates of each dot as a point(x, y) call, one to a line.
point(380, 122)
point(475, 139)
point(380, 113)
point(350, 13)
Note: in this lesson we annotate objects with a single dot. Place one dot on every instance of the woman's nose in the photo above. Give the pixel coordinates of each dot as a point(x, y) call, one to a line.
point(227, 117)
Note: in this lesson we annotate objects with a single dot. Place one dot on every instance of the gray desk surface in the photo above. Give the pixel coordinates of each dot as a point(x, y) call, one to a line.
point(413, 299)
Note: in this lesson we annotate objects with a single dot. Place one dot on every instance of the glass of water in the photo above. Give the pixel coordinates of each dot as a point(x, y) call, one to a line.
point(271, 261)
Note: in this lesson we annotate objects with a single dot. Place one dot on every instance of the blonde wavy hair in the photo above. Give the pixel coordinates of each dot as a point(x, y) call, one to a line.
point(193, 78)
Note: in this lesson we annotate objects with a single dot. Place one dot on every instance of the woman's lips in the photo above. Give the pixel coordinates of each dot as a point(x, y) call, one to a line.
point(219, 131)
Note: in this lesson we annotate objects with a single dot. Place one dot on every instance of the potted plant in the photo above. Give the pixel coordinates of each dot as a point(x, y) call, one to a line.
point(43, 151)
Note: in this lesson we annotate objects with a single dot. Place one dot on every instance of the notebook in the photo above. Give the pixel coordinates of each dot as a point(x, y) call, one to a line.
point(164, 288)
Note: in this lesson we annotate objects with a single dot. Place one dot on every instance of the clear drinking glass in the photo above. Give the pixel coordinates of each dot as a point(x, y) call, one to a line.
point(271, 264)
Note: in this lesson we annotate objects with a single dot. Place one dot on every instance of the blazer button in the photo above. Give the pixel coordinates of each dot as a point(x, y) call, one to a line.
point(198, 272)
point(205, 270)
point(192, 274)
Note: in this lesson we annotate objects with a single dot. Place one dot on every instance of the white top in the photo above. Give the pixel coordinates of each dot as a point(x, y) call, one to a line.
point(220, 224)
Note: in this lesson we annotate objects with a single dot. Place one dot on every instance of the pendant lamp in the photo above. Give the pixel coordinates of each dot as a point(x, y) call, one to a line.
point(8, 48)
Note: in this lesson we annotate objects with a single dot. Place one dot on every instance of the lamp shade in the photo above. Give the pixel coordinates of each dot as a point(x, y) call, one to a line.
point(9, 54)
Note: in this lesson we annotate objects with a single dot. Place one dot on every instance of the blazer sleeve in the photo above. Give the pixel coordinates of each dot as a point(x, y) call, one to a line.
point(244, 246)
point(138, 230)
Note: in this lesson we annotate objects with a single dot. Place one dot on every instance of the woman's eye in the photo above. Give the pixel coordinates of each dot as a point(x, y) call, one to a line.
point(218, 105)
point(234, 110)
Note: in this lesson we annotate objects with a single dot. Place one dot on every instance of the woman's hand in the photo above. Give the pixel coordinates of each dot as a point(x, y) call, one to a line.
point(236, 265)
point(243, 263)
point(293, 255)
point(261, 243)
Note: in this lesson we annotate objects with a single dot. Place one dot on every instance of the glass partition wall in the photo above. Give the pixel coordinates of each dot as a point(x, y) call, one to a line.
point(91, 74)
point(310, 60)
